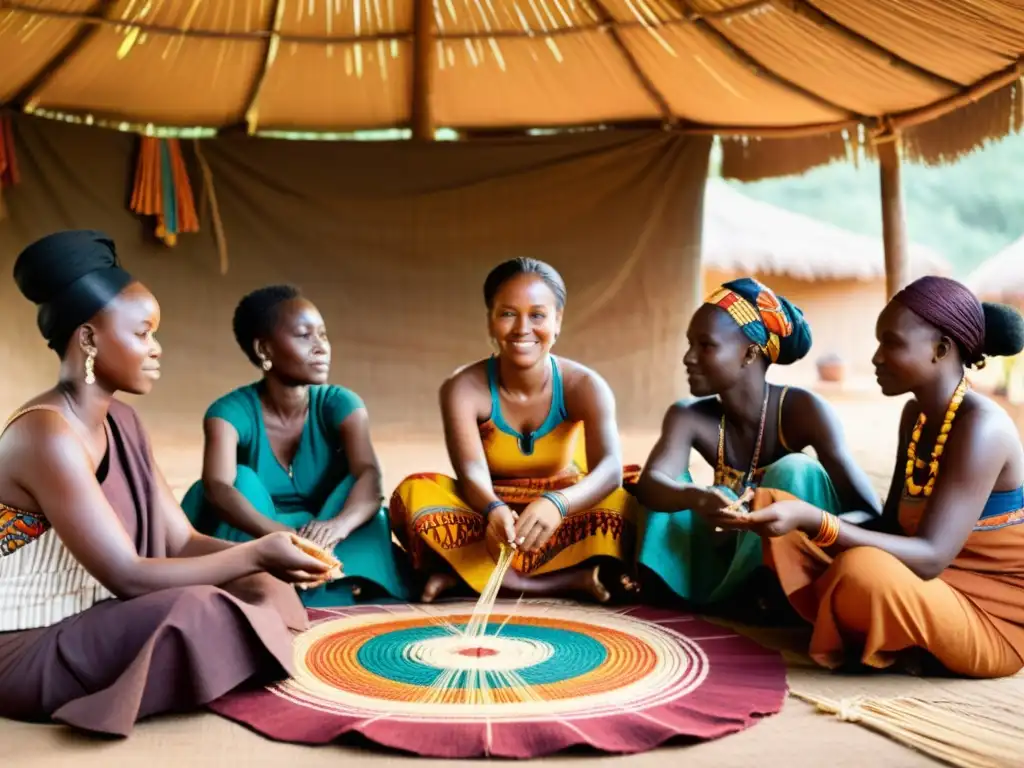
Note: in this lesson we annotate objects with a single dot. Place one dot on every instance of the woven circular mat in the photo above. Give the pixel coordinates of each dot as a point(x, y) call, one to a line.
point(545, 676)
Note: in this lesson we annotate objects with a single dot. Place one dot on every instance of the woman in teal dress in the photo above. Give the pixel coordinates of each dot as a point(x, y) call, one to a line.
point(753, 434)
point(293, 453)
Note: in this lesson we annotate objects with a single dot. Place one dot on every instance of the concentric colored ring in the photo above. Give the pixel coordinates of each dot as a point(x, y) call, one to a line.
point(541, 655)
point(403, 664)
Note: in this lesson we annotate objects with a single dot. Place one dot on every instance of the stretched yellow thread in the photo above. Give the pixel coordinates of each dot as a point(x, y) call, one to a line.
point(476, 689)
point(485, 604)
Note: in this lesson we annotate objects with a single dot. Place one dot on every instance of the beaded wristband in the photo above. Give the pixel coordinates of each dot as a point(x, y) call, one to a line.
point(493, 506)
point(558, 499)
point(828, 532)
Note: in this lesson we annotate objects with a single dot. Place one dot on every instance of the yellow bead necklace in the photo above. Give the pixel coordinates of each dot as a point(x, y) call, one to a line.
point(940, 442)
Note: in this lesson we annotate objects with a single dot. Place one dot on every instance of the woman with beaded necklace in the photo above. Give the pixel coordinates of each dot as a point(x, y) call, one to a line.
point(943, 570)
point(753, 433)
point(535, 448)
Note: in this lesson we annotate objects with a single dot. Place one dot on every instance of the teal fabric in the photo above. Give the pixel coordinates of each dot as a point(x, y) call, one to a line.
point(705, 568)
point(317, 490)
point(556, 413)
point(319, 465)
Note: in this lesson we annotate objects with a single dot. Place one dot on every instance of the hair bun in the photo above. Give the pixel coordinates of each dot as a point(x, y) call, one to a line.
point(49, 265)
point(1004, 330)
point(70, 276)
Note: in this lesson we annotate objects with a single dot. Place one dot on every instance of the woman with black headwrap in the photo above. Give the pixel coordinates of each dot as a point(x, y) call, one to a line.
point(112, 607)
point(943, 571)
point(753, 434)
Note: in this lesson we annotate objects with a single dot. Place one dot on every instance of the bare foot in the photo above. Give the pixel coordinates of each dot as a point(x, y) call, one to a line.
point(436, 584)
point(590, 582)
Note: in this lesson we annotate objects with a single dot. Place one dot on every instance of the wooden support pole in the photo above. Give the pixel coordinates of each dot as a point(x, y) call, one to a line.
point(894, 232)
point(422, 70)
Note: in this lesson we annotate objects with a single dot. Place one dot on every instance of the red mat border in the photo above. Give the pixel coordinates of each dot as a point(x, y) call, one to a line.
point(732, 698)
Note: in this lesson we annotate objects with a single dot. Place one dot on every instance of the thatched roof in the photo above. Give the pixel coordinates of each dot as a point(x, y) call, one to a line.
point(1001, 277)
point(744, 235)
point(774, 68)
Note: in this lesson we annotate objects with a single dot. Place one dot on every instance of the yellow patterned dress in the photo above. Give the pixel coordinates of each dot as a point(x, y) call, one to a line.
point(427, 513)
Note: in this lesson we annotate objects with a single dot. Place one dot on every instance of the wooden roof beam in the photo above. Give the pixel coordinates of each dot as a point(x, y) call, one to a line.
point(758, 68)
point(812, 13)
point(24, 99)
point(667, 115)
point(250, 114)
point(258, 35)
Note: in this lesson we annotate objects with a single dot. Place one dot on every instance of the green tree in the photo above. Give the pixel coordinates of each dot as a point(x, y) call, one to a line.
point(966, 211)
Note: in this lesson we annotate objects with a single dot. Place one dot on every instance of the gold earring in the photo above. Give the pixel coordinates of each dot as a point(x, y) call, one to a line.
point(90, 364)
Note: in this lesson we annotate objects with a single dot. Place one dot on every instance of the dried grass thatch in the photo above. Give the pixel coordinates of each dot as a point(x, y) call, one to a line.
point(807, 79)
point(744, 235)
point(1001, 277)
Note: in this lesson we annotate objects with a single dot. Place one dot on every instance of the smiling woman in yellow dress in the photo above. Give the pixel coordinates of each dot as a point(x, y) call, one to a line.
point(535, 447)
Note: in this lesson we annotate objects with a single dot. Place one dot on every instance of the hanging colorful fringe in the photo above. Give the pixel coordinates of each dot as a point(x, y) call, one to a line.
point(8, 162)
point(162, 189)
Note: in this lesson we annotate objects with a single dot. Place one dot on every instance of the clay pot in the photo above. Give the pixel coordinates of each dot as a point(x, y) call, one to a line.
point(831, 368)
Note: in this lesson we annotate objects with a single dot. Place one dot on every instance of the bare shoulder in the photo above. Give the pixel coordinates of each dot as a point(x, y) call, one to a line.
point(466, 379)
point(585, 391)
point(39, 443)
point(797, 397)
point(988, 419)
point(36, 429)
point(799, 405)
point(689, 412)
point(580, 379)
point(43, 421)
point(467, 387)
point(694, 408)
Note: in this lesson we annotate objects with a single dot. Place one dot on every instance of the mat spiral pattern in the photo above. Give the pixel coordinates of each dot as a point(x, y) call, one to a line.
point(545, 675)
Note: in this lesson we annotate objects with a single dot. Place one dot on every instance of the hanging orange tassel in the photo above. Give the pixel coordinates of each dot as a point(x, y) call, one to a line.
point(162, 189)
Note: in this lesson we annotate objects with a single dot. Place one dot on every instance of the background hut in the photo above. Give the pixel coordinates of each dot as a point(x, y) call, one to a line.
point(1001, 277)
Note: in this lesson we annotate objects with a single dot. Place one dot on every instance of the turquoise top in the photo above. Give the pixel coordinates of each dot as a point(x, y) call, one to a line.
point(556, 414)
point(320, 463)
point(1002, 502)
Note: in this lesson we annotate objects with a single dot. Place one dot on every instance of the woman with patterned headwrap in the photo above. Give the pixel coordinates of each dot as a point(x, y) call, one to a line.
point(942, 571)
point(112, 607)
point(751, 432)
